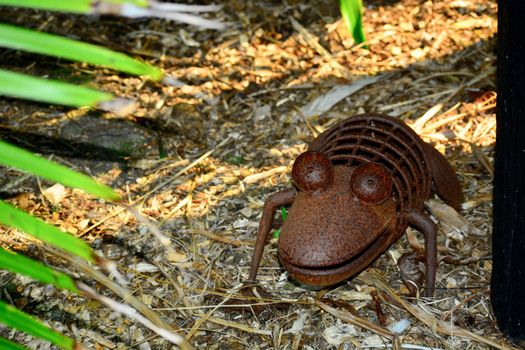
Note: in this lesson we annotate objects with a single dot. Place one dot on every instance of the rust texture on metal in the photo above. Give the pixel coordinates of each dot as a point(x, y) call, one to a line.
point(312, 172)
point(357, 188)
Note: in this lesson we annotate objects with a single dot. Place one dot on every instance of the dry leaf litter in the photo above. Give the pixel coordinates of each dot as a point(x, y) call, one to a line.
point(245, 103)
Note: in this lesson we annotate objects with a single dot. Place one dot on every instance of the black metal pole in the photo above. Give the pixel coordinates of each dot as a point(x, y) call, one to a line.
point(508, 273)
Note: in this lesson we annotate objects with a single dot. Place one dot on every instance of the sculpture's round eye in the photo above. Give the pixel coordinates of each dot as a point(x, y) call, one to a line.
point(371, 183)
point(312, 171)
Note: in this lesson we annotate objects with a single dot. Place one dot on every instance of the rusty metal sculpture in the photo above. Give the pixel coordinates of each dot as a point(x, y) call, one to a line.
point(357, 188)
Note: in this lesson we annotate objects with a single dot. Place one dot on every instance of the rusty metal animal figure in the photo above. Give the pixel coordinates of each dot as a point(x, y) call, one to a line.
point(357, 188)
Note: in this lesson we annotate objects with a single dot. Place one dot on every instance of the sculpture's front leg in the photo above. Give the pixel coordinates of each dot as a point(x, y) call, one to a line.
point(273, 202)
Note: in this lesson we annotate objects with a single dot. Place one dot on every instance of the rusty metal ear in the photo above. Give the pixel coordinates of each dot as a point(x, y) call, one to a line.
point(312, 172)
point(371, 183)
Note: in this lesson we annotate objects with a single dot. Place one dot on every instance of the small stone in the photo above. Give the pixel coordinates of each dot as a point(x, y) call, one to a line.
point(55, 194)
point(451, 283)
point(99, 137)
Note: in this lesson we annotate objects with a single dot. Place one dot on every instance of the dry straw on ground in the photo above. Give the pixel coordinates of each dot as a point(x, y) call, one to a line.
point(254, 86)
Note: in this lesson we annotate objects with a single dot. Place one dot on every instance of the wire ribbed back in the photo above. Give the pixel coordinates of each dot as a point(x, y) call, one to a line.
point(385, 140)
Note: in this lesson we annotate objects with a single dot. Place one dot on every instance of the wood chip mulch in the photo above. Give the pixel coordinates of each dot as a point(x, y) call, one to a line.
point(231, 131)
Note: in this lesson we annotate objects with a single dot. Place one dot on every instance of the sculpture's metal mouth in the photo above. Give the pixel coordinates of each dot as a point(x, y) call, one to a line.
point(330, 275)
point(325, 257)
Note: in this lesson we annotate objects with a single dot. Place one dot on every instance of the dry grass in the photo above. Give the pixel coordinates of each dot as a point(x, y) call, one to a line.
point(247, 86)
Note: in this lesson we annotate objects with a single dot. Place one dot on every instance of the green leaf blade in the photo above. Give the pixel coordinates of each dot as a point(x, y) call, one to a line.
point(141, 3)
point(20, 264)
point(45, 232)
point(9, 345)
point(351, 11)
point(50, 91)
point(277, 232)
point(74, 6)
point(24, 160)
point(14, 318)
point(47, 44)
